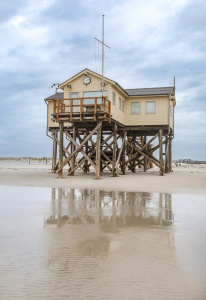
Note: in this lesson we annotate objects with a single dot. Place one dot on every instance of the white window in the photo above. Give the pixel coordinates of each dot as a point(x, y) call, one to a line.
point(90, 101)
point(113, 98)
point(73, 95)
point(135, 108)
point(120, 103)
point(150, 107)
point(93, 95)
point(75, 102)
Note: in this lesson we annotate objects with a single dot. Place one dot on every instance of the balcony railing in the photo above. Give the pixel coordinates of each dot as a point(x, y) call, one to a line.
point(81, 106)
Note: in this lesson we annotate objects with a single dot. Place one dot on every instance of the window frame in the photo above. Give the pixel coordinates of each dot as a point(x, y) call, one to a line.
point(120, 103)
point(73, 93)
point(132, 113)
point(123, 105)
point(151, 113)
point(114, 98)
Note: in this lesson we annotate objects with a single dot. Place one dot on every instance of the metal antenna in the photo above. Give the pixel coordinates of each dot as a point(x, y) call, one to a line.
point(103, 44)
point(102, 55)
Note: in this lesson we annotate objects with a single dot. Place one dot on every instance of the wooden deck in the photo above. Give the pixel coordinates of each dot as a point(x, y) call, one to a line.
point(82, 109)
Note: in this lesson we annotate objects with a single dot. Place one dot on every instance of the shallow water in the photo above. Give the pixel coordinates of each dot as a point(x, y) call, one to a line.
point(91, 244)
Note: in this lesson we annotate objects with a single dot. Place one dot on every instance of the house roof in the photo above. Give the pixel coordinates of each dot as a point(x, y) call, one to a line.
point(80, 73)
point(150, 91)
point(56, 96)
point(129, 92)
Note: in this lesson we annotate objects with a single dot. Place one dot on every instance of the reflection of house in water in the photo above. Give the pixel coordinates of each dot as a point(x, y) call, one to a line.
point(111, 210)
point(84, 220)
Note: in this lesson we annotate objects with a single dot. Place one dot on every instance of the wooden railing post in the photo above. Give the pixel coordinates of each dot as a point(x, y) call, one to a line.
point(95, 109)
point(71, 110)
point(109, 112)
point(81, 102)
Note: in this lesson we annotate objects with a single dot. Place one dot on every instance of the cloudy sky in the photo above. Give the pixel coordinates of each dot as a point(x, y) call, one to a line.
point(49, 41)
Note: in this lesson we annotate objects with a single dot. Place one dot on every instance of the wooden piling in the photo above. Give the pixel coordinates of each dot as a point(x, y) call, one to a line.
point(160, 152)
point(145, 160)
point(98, 152)
point(61, 132)
point(114, 150)
point(123, 154)
point(170, 155)
point(54, 159)
point(72, 150)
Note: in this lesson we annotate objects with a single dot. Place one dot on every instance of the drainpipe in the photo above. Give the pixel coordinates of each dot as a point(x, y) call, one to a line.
point(47, 133)
point(169, 99)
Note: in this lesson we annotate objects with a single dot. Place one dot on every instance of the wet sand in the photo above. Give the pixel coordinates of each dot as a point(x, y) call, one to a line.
point(138, 236)
point(183, 179)
point(92, 244)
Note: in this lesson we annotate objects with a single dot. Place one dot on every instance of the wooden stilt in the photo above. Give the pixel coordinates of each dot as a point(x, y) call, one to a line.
point(145, 160)
point(133, 160)
point(61, 131)
point(122, 153)
point(114, 151)
point(166, 164)
point(101, 163)
point(86, 165)
point(150, 163)
point(54, 160)
point(170, 155)
point(72, 150)
point(98, 153)
point(78, 147)
point(123, 159)
point(160, 153)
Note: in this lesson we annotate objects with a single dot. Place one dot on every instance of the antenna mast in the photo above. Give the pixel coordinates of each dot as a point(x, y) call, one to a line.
point(102, 54)
point(103, 44)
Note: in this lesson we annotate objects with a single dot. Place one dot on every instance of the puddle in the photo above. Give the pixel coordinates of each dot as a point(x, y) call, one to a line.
point(92, 244)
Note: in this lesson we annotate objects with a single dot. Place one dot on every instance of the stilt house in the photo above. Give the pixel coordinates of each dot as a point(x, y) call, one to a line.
point(111, 128)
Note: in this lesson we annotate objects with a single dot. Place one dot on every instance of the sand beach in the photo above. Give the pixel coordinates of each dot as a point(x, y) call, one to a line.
point(185, 178)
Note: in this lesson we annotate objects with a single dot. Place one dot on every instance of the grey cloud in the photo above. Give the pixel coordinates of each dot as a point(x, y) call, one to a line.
point(56, 42)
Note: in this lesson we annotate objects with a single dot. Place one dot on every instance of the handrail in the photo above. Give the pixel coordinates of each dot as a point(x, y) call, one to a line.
point(77, 105)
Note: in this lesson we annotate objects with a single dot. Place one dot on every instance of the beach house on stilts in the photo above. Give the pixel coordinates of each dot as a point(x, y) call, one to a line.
point(97, 124)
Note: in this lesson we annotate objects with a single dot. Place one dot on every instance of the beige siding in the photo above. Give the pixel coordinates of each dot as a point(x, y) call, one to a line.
point(117, 114)
point(50, 123)
point(78, 86)
point(160, 117)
